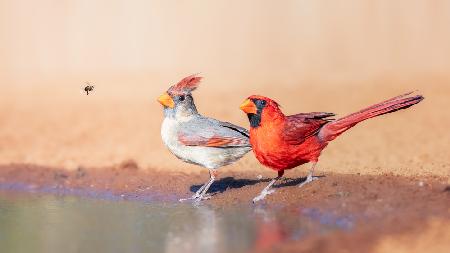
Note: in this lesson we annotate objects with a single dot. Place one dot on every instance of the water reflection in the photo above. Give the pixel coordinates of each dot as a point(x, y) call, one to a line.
point(270, 231)
point(37, 223)
point(194, 231)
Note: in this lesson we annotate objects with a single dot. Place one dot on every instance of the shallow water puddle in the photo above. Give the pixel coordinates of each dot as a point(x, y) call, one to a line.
point(32, 222)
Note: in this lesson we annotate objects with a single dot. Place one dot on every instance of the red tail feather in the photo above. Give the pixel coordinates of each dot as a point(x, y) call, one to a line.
point(333, 129)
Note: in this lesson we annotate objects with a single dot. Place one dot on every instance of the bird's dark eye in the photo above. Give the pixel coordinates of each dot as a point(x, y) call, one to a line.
point(181, 98)
point(260, 103)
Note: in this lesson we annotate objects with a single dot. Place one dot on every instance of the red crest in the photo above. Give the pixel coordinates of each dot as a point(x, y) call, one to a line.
point(186, 85)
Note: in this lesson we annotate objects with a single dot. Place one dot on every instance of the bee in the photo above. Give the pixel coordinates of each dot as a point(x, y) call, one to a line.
point(88, 88)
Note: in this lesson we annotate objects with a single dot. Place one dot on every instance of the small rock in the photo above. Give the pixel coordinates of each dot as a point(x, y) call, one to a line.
point(259, 177)
point(59, 175)
point(421, 184)
point(129, 165)
point(447, 189)
point(80, 172)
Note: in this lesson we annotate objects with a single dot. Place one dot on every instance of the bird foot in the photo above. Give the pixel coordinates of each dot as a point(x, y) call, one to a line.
point(308, 180)
point(262, 195)
point(193, 197)
point(186, 199)
point(204, 197)
point(197, 198)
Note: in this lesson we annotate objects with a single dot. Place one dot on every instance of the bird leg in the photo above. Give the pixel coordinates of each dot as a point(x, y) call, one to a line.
point(200, 194)
point(196, 194)
point(266, 191)
point(212, 176)
point(310, 176)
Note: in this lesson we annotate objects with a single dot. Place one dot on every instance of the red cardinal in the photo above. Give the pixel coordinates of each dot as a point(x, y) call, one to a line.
point(284, 142)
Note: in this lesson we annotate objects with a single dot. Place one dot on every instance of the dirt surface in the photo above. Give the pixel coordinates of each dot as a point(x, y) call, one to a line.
point(394, 213)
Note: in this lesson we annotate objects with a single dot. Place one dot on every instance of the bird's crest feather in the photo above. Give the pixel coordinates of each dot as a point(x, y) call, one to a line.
point(186, 85)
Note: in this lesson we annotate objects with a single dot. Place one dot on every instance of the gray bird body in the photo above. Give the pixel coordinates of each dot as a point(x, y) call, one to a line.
point(196, 139)
point(195, 130)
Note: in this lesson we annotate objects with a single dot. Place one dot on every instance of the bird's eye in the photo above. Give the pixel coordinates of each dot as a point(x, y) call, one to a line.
point(262, 103)
point(181, 98)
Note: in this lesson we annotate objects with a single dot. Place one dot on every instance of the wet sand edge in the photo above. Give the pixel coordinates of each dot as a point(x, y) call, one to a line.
point(388, 206)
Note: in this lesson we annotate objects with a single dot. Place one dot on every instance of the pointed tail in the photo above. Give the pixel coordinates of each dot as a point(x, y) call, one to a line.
point(333, 129)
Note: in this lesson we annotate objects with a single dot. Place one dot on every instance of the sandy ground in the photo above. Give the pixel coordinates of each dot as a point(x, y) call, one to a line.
point(394, 168)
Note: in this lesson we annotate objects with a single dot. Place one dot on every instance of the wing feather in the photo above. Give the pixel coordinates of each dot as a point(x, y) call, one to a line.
point(212, 133)
point(300, 126)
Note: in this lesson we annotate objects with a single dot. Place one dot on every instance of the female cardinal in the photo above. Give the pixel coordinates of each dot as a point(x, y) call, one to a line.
point(283, 142)
point(196, 139)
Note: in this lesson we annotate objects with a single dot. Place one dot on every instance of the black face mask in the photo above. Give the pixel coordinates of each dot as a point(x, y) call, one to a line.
point(255, 119)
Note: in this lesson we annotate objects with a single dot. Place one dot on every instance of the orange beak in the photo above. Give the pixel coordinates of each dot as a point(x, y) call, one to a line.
point(248, 106)
point(166, 100)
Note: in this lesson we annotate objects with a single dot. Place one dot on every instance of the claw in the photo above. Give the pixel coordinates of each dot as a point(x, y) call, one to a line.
point(262, 195)
point(270, 192)
point(197, 198)
point(186, 199)
point(309, 179)
point(193, 197)
point(201, 193)
point(204, 197)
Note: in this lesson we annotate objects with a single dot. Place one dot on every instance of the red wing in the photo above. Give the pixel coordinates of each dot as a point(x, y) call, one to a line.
point(300, 126)
point(215, 141)
point(313, 115)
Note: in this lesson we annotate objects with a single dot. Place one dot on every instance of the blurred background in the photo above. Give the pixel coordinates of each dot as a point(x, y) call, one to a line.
point(337, 56)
